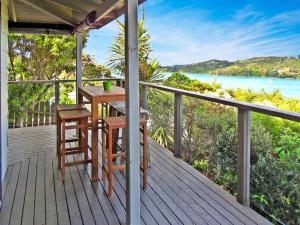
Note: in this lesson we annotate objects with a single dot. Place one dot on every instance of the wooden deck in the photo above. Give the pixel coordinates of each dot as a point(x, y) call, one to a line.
point(176, 193)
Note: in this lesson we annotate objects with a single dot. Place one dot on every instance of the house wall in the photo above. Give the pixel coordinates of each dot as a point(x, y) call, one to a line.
point(3, 87)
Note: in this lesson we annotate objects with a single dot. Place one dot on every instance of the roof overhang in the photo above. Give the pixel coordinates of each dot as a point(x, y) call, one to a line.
point(62, 16)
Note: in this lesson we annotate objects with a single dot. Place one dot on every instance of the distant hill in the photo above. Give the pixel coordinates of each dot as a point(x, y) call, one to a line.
point(202, 67)
point(284, 67)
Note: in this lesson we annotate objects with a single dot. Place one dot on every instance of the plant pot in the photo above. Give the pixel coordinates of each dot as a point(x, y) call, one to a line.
point(107, 85)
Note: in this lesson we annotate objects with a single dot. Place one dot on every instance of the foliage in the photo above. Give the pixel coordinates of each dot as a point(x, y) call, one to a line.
point(117, 57)
point(160, 108)
point(43, 57)
point(92, 70)
point(180, 80)
point(210, 143)
point(149, 69)
point(40, 57)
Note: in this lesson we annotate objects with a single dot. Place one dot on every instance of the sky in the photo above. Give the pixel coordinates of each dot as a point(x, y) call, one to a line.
point(184, 32)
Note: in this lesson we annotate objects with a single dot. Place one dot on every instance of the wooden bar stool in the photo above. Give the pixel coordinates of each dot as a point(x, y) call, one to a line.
point(63, 107)
point(118, 108)
point(68, 120)
point(109, 124)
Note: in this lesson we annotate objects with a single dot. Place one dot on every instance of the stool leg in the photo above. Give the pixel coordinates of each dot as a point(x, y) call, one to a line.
point(103, 152)
point(145, 156)
point(58, 141)
point(79, 133)
point(63, 156)
point(106, 109)
point(85, 139)
point(110, 162)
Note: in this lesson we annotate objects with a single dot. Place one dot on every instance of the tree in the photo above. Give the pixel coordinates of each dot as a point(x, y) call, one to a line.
point(92, 70)
point(43, 57)
point(150, 70)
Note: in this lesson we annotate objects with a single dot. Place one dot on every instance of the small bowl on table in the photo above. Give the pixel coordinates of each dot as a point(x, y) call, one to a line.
point(107, 85)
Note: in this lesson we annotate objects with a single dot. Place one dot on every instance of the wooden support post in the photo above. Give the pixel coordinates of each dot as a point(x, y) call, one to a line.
point(243, 158)
point(178, 108)
point(78, 63)
point(3, 90)
point(144, 96)
point(132, 112)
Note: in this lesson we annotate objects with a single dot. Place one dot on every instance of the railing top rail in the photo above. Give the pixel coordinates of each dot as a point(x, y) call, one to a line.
point(61, 81)
point(230, 102)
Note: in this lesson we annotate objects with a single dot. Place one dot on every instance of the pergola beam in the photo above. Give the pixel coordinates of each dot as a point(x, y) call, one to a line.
point(49, 10)
point(39, 28)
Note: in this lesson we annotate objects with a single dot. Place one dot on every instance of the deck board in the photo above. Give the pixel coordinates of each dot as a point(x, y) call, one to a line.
point(16, 215)
point(29, 206)
point(176, 192)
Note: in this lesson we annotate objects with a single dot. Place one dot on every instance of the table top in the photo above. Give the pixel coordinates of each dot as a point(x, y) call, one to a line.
point(99, 92)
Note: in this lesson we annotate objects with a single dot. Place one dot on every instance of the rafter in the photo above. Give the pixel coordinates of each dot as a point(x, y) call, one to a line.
point(81, 6)
point(12, 11)
point(50, 10)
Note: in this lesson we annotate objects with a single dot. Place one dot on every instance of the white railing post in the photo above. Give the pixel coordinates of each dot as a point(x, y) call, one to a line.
point(243, 158)
point(178, 109)
point(144, 96)
point(133, 115)
point(78, 63)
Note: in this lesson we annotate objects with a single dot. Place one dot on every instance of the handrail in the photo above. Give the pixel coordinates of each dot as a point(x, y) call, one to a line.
point(61, 81)
point(284, 114)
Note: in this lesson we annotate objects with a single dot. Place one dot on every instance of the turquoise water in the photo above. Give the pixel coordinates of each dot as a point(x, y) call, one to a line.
point(288, 87)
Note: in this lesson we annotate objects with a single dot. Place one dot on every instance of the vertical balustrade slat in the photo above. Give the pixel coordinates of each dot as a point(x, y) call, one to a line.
point(41, 113)
point(243, 158)
point(118, 83)
point(178, 109)
point(36, 115)
point(47, 113)
point(52, 113)
point(57, 92)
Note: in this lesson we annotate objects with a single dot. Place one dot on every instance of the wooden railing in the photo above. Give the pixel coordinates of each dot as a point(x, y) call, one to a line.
point(43, 112)
point(244, 110)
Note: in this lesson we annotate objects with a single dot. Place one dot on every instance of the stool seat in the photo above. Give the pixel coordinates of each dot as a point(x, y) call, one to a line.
point(74, 114)
point(119, 121)
point(121, 108)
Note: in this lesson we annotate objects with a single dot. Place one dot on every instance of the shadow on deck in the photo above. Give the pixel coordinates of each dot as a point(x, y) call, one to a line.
point(176, 192)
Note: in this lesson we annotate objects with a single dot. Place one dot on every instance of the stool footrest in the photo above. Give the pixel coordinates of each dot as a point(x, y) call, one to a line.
point(78, 162)
point(119, 167)
point(74, 148)
point(74, 152)
point(119, 154)
point(70, 127)
point(72, 140)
